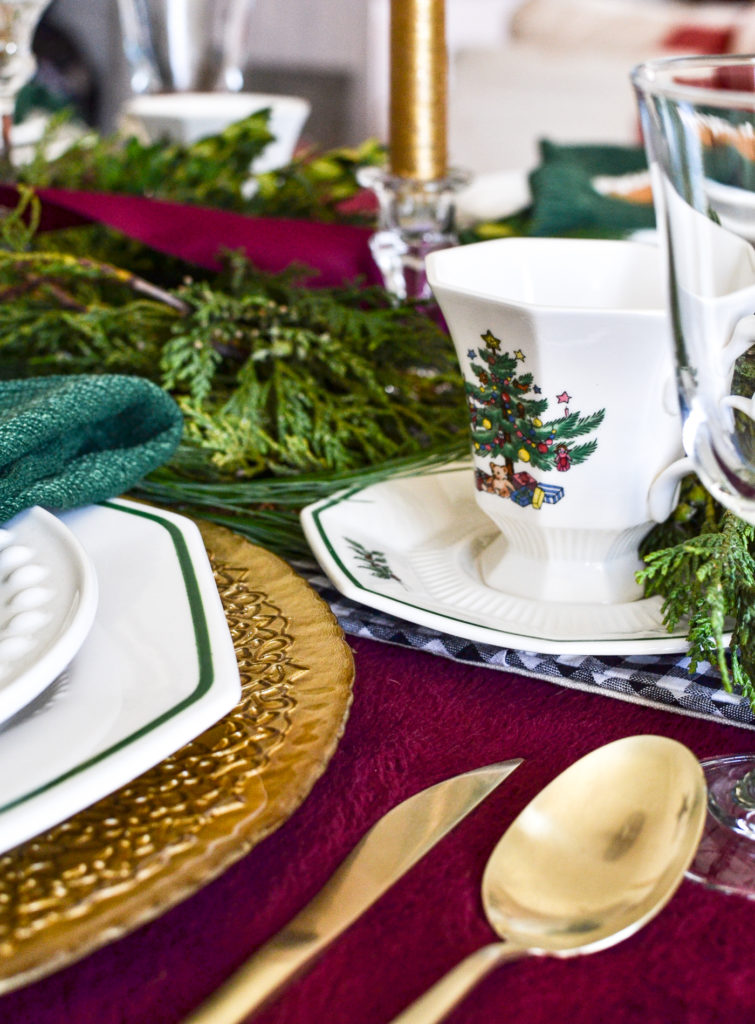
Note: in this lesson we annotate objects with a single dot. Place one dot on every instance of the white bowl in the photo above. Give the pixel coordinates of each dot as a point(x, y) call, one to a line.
point(185, 117)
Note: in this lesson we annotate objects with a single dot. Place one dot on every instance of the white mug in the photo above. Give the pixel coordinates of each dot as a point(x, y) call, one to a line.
point(574, 419)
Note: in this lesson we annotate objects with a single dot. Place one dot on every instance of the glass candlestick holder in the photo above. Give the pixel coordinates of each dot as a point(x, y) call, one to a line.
point(414, 219)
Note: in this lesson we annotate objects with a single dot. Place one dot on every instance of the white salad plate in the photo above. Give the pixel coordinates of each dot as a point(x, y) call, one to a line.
point(48, 598)
point(157, 668)
point(409, 546)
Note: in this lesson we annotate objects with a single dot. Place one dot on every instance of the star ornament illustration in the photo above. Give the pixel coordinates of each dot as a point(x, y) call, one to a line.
point(563, 398)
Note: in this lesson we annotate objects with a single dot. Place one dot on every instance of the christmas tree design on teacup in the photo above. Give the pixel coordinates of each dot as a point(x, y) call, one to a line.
point(506, 410)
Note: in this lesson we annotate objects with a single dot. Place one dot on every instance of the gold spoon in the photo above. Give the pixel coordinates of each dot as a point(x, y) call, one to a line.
point(587, 863)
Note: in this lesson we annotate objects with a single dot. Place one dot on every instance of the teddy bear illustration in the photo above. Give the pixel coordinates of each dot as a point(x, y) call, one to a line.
point(502, 484)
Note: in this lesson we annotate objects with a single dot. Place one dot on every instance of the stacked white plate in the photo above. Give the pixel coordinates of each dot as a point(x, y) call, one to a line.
point(114, 653)
point(48, 598)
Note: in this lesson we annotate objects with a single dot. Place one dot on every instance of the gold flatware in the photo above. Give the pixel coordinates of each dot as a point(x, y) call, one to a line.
point(587, 863)
point(392, 846)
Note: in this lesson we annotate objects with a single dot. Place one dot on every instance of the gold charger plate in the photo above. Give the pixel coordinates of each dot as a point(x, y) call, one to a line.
point(146, 847)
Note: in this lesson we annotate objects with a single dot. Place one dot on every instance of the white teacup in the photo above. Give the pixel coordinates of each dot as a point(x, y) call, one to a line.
point(565, 351)
point(186, 117)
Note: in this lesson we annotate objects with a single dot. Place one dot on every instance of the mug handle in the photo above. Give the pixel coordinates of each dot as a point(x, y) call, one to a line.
point(663, 493)
point(662, 496)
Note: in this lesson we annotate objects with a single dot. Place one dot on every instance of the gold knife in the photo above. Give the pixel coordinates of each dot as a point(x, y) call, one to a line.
point(392, 846)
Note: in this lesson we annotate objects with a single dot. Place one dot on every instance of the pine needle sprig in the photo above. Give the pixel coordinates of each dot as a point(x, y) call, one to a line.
point(575, 425)
point(318, 185)
point(266, 510)
point(581, 452)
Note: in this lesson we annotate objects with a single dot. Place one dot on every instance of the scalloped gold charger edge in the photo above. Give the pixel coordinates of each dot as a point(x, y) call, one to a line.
point(131, 856)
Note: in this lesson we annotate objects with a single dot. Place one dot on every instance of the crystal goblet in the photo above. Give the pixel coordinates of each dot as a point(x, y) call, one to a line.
point(698, 123)
point(18, 20)
point(185, 45)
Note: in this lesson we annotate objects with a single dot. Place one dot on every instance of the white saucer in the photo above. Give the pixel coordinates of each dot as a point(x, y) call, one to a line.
point(409, 547)
point(157, 668)
point(48, 598)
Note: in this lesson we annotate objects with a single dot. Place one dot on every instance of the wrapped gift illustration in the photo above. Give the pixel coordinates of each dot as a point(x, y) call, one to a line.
point(551, 493)
point(522, 496)
point(524, 480)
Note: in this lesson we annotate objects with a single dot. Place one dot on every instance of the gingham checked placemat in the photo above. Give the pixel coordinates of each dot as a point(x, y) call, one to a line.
point(656, 680)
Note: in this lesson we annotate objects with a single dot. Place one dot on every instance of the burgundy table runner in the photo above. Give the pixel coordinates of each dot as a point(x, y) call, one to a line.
point(416, 719)
point(337, 252)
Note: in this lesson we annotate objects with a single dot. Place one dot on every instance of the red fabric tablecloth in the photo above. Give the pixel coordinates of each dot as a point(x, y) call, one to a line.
point(416, 719)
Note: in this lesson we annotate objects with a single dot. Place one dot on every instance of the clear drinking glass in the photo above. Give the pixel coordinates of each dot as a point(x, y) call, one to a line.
point(185, 45)
point(18, 20)
point(698, 123)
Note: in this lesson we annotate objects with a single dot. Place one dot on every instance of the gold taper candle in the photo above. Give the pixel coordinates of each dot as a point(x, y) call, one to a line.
point(419, 89)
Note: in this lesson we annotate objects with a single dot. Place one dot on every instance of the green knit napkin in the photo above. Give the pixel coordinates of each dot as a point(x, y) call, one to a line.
point(564, 200)
point(69, 441)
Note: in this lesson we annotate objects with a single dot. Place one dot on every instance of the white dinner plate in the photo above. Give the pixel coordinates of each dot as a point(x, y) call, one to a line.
point(409, 545)
point(157, 668)
point(48, 598)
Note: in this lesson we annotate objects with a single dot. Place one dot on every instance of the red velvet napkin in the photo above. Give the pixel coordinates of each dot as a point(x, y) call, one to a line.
point(337, 252)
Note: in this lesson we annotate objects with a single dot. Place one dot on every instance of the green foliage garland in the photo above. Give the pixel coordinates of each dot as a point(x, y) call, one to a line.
point(210, 172)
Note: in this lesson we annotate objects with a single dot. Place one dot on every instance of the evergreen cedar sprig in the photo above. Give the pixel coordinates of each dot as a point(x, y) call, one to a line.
point(701, 563)
point(280, 380)
point(275, 379)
